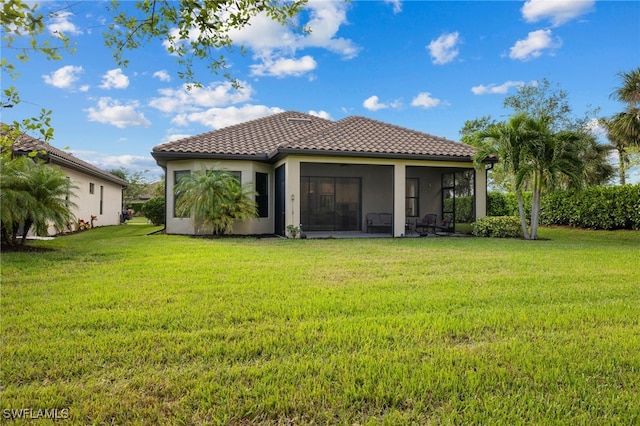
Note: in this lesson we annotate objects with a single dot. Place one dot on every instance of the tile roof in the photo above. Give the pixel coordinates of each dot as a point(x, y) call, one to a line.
point(256, 137)
point(295, 132)
point(26, 144)
point(364, 135)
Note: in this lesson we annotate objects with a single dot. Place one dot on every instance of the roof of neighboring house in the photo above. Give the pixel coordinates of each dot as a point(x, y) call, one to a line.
point(26, 144)
point(291, 132)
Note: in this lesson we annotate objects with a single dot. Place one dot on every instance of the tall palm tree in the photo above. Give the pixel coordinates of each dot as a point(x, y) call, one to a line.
point(620, 142)
point(508, 141)
point(549, 155)
point(625, 126)
point(215, 198)
point(533, 154)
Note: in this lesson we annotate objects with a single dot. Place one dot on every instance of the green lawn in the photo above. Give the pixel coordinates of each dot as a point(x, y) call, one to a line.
point(120, 327)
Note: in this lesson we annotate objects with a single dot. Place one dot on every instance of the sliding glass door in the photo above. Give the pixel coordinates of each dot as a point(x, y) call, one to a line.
point(330, 203)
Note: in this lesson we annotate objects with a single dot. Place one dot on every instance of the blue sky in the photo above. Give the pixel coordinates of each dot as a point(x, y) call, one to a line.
point(425, 65)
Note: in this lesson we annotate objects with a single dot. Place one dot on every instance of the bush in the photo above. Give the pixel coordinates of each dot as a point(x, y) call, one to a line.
point(154, 210)
point(136, 207)
point(498, 227)
point(596, 208)
point(501, 204)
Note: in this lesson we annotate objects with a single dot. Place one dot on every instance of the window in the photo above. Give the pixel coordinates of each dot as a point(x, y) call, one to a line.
point(262, 198)
point(412, 198)
point(101, 197)
point(237, 175)
point(177, 175)
point(92, 188)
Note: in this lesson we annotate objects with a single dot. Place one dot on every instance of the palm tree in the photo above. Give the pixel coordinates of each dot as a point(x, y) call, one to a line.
point(15, 200)
point(506, 140)
point(625, 126)
point(52, 190)
point(533, 155)
point(215, 198)
point(620, 142)
point(33, 195)
point(548, 156)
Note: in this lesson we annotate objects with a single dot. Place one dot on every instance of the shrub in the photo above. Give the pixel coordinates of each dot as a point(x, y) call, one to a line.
point(501, 204)
point(154, 210)
point(498, 227)
point(596, 207)
point(136, 207)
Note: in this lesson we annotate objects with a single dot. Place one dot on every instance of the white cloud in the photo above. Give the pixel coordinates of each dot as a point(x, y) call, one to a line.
point(493, 89)
point(557, 11)
point(270, 41)
point(218, 118)
point(425, 100)
point(84, 88)
point(133, 163)
point(326, 19)
point(283, 67)
point(321, 114)
point(444, 49)
point(63, 78)
point(111, 111)
point(397, 5)
point(114, 79)
point(216, 94)
point(373, 104)
point(175, 137)
point(533, 45)
point(162, 75)
point(61, 24)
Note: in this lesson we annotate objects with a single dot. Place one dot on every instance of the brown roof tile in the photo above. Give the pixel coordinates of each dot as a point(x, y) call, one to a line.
point(255, 137)
point(364, 135)
point(26, 144)
point(297, 132)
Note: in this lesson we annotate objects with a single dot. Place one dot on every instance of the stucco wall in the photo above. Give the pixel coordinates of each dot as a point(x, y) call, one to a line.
point(89, 204)
point(377, 177)
point(248, 169)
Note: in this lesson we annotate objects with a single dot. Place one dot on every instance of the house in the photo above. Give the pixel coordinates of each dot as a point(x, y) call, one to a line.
point(329, 175)
point(97, 193)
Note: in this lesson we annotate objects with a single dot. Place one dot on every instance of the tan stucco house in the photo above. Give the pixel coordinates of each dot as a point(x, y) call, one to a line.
point(97, 193)
point(328, 175)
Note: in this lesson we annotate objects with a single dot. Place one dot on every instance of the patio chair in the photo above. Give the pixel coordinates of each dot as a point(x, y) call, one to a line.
point(427, 222)
point(445, 225)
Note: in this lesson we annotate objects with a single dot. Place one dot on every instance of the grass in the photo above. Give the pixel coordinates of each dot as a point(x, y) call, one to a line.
point(120, 327)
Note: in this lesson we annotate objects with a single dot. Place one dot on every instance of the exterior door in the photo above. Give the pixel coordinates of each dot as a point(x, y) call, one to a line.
point(330, 203)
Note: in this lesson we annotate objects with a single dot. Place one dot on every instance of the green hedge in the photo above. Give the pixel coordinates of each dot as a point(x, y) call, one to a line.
point(599, 207)
point(498, 227)
point(501, 204)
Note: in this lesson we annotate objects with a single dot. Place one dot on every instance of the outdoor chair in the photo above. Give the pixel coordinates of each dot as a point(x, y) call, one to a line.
point(445, 225)
point(427, 222)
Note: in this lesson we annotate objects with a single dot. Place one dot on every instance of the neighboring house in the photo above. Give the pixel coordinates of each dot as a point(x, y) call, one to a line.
point(328, 175)
point(97, 193)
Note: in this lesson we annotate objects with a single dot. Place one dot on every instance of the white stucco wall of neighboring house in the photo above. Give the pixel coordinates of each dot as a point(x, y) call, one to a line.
point(105, 202)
